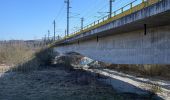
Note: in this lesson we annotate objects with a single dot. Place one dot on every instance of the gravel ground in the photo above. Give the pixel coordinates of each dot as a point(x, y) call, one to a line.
point(57, 84)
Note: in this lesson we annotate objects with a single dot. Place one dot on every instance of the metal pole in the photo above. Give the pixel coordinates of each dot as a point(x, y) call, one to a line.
point(48, 35)
point(65, 34)
point(54, 29)
point(110, 10)
point(68, 16)
point(82, 23)
point(45, 40)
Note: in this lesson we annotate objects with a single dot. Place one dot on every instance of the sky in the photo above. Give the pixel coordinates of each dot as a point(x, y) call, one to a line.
point(31, 19)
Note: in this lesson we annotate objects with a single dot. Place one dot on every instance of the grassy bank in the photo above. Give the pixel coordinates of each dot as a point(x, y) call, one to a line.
point(14, 54)
point(20, 57)
point(161, 71)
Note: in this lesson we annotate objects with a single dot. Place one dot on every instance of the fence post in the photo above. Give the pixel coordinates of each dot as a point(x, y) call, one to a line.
point(115, 13)
point(122, 9)
point(131, 5)
point(145, 3)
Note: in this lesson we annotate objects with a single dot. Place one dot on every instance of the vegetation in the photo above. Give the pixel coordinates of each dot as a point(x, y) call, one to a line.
point(22, 57)
point(40, 59)
point(15, 54)
point(161, 71)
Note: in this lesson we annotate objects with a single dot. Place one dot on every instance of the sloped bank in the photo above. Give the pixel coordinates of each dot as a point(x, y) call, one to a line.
point(128, 83)
point(120, 83)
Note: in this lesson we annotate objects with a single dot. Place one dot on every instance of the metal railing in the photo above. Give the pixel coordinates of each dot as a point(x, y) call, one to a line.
point(117, 14)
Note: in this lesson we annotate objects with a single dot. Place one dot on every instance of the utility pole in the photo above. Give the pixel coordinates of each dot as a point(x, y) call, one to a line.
point(45, 40)
point(65, 33)
point(54, 29)
point(58, 37)
point(48, 35)
point(82, 23)
point(110, 9)
point(68, 15)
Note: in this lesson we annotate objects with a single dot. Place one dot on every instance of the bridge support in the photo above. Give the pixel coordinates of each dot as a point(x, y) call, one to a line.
point(127, 48)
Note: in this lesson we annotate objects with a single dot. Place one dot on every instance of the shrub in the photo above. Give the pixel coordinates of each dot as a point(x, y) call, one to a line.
point(145, 70)
point(45, 56)
point(14, 54)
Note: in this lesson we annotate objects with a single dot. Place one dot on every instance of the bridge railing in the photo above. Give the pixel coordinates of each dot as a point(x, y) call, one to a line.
point(117, 14)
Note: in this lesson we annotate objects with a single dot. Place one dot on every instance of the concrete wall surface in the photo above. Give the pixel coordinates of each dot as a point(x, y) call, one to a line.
point(126, 48)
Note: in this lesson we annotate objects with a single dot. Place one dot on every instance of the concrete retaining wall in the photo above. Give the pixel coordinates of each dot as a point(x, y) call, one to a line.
point(127, 48)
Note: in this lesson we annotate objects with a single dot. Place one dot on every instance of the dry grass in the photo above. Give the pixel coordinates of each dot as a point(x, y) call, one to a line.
point(57, 84)
point(155, 88)
point(38, 60)
point(14, 54)
point(162, 71)
point(20, 57)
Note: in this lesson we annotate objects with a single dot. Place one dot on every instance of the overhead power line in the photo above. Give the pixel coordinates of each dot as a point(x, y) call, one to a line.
point(59, 13)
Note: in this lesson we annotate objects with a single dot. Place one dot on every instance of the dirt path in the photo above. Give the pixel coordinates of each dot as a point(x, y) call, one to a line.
point(56, 84)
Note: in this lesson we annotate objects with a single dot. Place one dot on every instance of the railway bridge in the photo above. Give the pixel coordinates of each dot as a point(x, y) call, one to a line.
point(137, 34)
